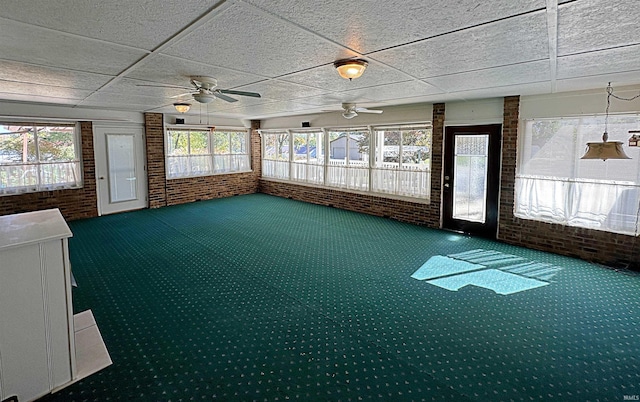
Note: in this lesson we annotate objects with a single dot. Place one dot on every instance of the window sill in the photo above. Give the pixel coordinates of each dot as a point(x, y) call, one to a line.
point(208, 174)
point(414, 200)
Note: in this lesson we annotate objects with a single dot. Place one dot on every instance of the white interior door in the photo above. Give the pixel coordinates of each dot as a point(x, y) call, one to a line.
point(120, 168)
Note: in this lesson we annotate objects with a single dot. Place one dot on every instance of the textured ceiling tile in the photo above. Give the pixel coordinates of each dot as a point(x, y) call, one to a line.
point(326, 77)
point(373, 25)
point(494, 77)
point(394, 91)
point(38, 99)
point(597, 24)
point(508, 90)
point(37, 46)
point(141, 23)
point(334, 99)
point(126, 87)
point(110, 98)
point(511, 41)
point(177, 71)
point(13, 87)
point(601, 62)
point(281, 90)
point(22, 72)
point(244, 39)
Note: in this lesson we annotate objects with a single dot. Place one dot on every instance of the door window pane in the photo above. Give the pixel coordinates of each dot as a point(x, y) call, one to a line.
point(470, 177)
point(122, 168)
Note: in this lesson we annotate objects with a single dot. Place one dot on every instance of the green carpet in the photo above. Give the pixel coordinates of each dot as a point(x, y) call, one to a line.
point(262, 298)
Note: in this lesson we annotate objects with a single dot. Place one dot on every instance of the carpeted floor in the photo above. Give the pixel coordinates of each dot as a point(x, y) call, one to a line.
point(263, 298)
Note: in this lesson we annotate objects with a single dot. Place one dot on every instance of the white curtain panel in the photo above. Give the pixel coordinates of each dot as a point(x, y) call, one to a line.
point(554, 185)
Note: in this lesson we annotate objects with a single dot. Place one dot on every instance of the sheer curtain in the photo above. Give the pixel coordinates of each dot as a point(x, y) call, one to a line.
point(554, 185)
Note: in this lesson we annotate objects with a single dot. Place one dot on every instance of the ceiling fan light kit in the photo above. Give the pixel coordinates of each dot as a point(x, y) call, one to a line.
point(350, 110)
point(203, 90)
point(203, 97)
point(350, 68)
point(182, 107)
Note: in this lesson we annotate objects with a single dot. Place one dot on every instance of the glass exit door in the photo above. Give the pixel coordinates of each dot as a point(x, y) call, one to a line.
point(471, 179)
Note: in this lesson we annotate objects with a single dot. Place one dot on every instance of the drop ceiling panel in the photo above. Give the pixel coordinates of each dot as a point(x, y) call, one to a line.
point(47, 100)
point(13, 87)
point(327, 77)
point(128, 87)
point(281, 90)
point(177, 71)
point(516, 40)
point(605, 61)
point(22, 72)
point(507, 90)
point(589, 25)
point(494, 77)
point(110, 99)
point(142, 23)
point(374, 25)
point(244, 39)
point(393, 91)
point(34, 45)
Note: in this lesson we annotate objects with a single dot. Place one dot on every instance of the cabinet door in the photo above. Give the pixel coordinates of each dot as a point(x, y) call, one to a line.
point(35, 351)
point(23, 342)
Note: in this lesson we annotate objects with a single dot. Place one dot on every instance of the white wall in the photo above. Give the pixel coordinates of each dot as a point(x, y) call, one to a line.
point(577, 103)
point(210, 121)
point(477, 112)
point(29, 111)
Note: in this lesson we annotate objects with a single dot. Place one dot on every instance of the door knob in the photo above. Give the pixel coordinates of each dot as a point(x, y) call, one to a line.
point(446, 185)
point(101, 177)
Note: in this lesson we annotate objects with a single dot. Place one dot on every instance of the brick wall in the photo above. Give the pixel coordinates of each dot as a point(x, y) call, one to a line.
point(163, 192)
point(156, 174)
point(402, 210)
point(591, 245)
point(73, 203)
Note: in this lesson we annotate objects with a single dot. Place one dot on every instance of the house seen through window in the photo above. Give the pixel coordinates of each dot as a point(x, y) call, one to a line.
point(384, 160)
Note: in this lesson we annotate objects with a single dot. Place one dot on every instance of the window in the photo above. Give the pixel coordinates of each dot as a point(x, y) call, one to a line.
point(308, 157)
point(38, 157)
point(400, 164)
point(192, 152)
point(403, 161)
point(554, 185)
point(349, 159)
point(230, 152)
point(275, 155)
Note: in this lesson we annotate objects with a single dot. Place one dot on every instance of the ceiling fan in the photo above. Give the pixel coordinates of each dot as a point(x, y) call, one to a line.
point(350, 110)
point(204, 90)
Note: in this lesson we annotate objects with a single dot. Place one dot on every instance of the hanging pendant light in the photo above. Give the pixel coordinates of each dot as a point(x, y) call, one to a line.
point(606, 149)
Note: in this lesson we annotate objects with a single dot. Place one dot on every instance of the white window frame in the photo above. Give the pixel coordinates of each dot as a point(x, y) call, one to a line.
point(352, 176)
point(36, 172)
point(607, 203)
point(238, 162)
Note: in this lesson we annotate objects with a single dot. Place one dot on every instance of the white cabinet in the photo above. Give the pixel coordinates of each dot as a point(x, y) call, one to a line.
point(37, 337)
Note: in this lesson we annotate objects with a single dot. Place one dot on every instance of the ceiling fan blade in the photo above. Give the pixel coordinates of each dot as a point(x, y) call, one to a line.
point(163, 86)
point(181, 95)
point(241, 93)
point(365, 110)
point(219, 94)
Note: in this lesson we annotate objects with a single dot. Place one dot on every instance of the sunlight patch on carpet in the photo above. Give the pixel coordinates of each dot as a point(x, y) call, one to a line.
point(505, 274)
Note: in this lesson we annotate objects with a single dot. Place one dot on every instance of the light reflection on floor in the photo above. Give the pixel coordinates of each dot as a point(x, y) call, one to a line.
point(505, 274)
